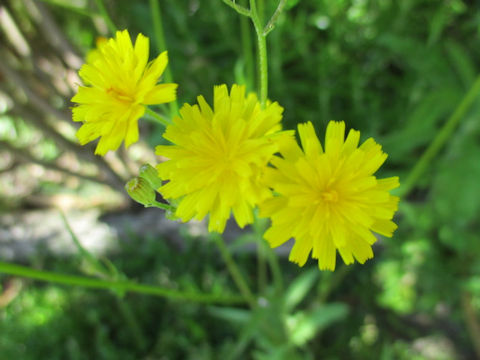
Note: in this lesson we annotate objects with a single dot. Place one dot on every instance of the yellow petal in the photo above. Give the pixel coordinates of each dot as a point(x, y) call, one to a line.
point(141, 51)
point(276, 235)
point(327, 254)
point(242, 213)
point(334, 136)
point(310, 143)
point(351, 143)
point(161, 94)
point(112, 140)
point(156, 68)
point(388, 183)
point(384, 227)
point(132, 128)
point(300, 251)
point(361, 250)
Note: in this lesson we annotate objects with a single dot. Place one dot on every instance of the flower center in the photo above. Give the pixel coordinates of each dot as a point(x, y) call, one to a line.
point(330, 196)
point(120, 95)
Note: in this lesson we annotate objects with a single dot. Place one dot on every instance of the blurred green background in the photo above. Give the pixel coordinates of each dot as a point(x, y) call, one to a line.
point(395, 70)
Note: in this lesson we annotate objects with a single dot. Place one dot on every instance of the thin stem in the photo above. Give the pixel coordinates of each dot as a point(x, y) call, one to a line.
point(162, 46)
point(262, 53)
point(259, 229)
point(440, 139)
point(108, 20)
point(122, 286)
point(271, 23)
point(261, 266)
point(84, 253)
point(72, 8)
point(267, 252)
point(163, 206)
point(157, 117)
point(272, 259)
point(234, 271)
point(261, 10)
point(106, 272)
point(238, 8)
point(247, 51)
point(473, 326)
point(129, 317)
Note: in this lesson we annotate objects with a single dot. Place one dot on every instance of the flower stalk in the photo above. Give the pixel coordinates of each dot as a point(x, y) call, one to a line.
point(440, 139)
point(262, 52)
point(108, 20)
point(255, 14)
point(162, 46)
point(156, 117)
point(234, 271)
point(121, 286)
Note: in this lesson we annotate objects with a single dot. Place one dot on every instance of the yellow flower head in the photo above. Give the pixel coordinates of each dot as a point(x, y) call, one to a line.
point(119, 83)
point(218, 156)
point(329, 199)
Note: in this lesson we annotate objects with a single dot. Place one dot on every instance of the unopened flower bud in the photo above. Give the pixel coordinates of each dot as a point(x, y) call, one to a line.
point(149, 173)
point(141, 191)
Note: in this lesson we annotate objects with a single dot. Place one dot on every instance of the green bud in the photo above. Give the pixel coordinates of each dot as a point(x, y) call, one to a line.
point(141, 191)
point(149, 173)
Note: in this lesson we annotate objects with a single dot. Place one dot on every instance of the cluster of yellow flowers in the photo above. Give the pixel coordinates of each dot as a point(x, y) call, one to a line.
point(234, 157)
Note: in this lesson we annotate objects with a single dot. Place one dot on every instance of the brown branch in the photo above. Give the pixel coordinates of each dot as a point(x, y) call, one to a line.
point(27, 82)
point(26, 156)
point(33, 97)
point(14, 164)
point(109, 176)
point(12, 289)
point(473, 325)
point(52, 32)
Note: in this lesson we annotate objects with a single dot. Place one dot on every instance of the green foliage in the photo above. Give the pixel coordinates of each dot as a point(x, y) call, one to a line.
point(395, 70)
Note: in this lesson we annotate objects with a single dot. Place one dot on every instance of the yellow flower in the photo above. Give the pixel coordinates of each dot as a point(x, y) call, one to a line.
point(120, 82)
point(329, 200)
point(218, 156)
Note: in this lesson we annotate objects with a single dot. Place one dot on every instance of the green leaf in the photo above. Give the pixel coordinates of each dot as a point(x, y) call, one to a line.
point(300, 288)
point(455, 196)
point(303, 326)
point(235, 315)
point(421, 124)
point(461, 62)
point(438, 23)
point(291, 4)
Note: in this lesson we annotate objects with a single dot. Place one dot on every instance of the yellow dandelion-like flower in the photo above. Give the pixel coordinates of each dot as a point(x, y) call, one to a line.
point(329, 200)
point(218, 156)
point(120, 82)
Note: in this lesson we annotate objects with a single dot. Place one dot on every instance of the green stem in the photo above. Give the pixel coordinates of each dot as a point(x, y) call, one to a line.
point(122, 286)
point(259, 227)
point(108, 20)
point(440, 139)
point(271, 23)
point(261, 10)
point(238, 8)
point(132, 323)
point(262, 53)
point(247, 52)
point(261, 266)
point(124, 307)
point(234, 271)
point(163, 206)
point(72, 8)
point(84, 253)
point(162, 46)
point(157, 117)
point(272, 259)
